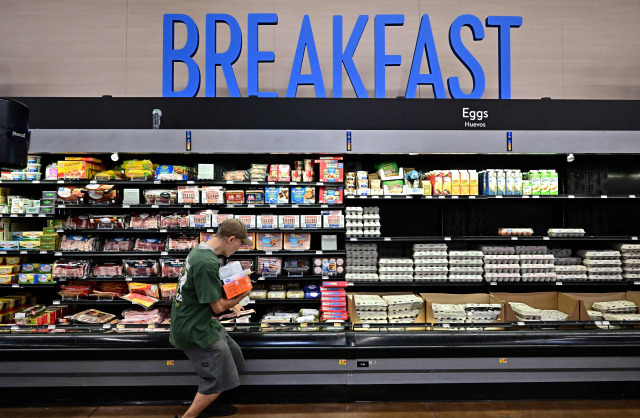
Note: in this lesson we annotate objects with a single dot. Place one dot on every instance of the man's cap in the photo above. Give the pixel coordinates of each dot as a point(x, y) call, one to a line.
point(234, 227)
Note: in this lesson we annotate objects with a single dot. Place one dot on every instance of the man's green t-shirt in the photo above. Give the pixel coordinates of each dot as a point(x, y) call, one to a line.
point(192, 324)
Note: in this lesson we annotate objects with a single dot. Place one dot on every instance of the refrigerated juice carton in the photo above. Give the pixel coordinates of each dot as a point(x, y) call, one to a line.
point(464, 182)
point(510, 182)
point(501, 177)
point(545, 182)
point(517, 178)
point(553, 187)
point(437, 182)
point(455, 183)
point(473, 182)
point(526, 187)
point(534, 176)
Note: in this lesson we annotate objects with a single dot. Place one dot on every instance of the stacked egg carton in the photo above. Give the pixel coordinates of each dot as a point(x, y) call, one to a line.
point(501, 264)
point(465, 266)
point(430, 262)
point(525, 312)
point(403, 308)
point(448, 312)
point(395, 269)
point(630, 261)
point(362, 262)
point(602, 265)
point(482, 312)
point(470, 312)
point(617, 310)
point(568, 268)
point(371, 308)
point(536, 264)
point(371, 218)
point(354, 221)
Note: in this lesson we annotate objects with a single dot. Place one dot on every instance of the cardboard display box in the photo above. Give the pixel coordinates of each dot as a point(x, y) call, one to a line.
point(586, 300)
point(431, 298)
point(540, 300)
point(353, 315)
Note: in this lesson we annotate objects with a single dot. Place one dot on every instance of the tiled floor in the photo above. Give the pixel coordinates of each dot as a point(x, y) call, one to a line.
point(522, 409)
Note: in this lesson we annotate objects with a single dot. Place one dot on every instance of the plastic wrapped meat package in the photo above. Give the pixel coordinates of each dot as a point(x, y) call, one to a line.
point(268, 241)
point(171, 268)
point(147, 289)
point(108, 269)
point(135, 316)
point(235, 175)
point(74, 292)
point(119, 244)
point(161, 197)
point(168, 290)
point(107, 222)
point(77, 269)
point(297, 241)
point(269, 266)
point(149, 244)
point(182, 242)
point(174, 220)
point(77, 222)
point(78, 243)
point(144, 221)
point(297, 265)
point(142, 268)
point(93, 316)
point(246, 264)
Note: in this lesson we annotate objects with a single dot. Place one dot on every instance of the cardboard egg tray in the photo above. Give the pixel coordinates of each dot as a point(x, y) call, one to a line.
point(502, 277)
point(434, 262)
point(427, 254)
point(571, 277)
point(430, 270)
point(570, 269)
point(492, 250)
point(361, 269)
point(475, 278)
point(531, 249)
point(538, 277)
point(466, 270)
point(502, 268)
point(367, 316)
point(561, 252)
point(605, 277)
point(525, 312)
point(615, 306)
point(478, 262)
point(430, 247)
point(599, 254)
point(501, 259)
point(622, 317)
point(465, 255)
point(362, 277)
point(537, 268)
point(631, 257)
point(601, 263)
point(536, 259)
point(631, 276)
point(595, 315)
point(603, 270)
point(552, 315)
point(401, 278)
point(631, 268)
point(395, 270)
point(433, 278)
point(566, 232)
point(629, 247)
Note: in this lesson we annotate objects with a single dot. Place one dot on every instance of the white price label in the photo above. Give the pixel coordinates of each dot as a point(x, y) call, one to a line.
point(409, 197)
point(545, 238)
point(56, 302)
point(51, 327)
point(187, 206)
point(106, 326)
point(295, 206)
point(320, 183)
point(455, 197)
point(294, 183)
point(498, 196)
point(428, 197)
point(365, 325)
point(598, 323)
point(493, 283)
point(571, 196)
point(129, 279)
point(375, 197)
point(157, 182)
point(447, 238)
point(514, 238)
point(446, 326)
point(13, 215)
point(387, 238)
point(15, 328)
point(319, 252)
point(558, 283)
point(163, 230)
point(363, 197)
point(387, 197)
point(36, 182)
point(17, 286)
point(604, 196)
point(58, 254)
point(251, 302)
point(93, 182)
point(535, 196)
point(636, 283)
point(634, 238)
point(350, 284)
point(29, 215)
point(23, 252)
point(273, 206)
point(62, 206)
point(605, 322)
point(42, 215)
point(472, 197)
point(440, 197)
point(60, 181)
point(164, 253)
point(525, 196)
point(353, 239)
point(271, 182)
point(251, 206)
point(43, 252)
point(632, 196)
point(260, 278)
point(190, 182)
point(521, 324)
point(155, 206)
point(126, 206)
point(324, 206)
point(268, 252)
point(210, 230)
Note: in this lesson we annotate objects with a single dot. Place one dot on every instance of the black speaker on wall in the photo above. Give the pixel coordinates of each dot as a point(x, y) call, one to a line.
point(14, 134)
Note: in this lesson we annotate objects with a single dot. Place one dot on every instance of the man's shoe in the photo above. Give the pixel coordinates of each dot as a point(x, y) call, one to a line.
point(218, 410)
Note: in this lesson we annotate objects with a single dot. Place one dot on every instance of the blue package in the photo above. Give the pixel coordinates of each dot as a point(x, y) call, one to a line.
point(312, 295)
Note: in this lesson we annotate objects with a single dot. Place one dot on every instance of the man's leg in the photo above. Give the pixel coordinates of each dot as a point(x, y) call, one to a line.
point(200, 402)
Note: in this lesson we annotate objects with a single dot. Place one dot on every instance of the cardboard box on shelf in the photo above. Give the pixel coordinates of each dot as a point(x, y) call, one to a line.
point(586, 300)
point(431, 298)
point(353, 315)
point(540, 300)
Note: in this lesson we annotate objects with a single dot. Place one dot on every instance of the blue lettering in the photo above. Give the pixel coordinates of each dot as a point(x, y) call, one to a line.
point(254, 56)
point(381, 60)
point(305, 40)
point(504, 25)
point(170, 56)
point(223, 59)
point(346, 57)
point(425, 43)
point(463, 54)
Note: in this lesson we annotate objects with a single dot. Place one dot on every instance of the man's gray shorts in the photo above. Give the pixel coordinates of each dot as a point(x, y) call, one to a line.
point(218, 366)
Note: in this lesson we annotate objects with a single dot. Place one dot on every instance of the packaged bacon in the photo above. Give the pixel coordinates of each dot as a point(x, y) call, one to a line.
point(119, 244)
point(174, 220)
point(74, 292)
point(77, 222)
point(171, 267)
point(147, 289)
point(269, 266)
point(93, 316)
point(182, 242)
point(78, 243)
point(142, 268)
point(107, 222)
point(297, 241)
point(108, 269)
point(78, 269)
point(144, 221)
point(149, 244)
point(161, 197)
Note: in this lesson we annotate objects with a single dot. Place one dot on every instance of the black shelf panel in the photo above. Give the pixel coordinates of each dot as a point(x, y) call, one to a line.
point(297, 302)
point(120, 254)
point(118, 279)
point(27, 286)
point(106, 302)
point(26, 252)
point(484, 197)
point(490, 238)
point(284, 279)
point(131, 183)
point(129, 231)
point(26, 215)
point(240, 254)
point(187, 206)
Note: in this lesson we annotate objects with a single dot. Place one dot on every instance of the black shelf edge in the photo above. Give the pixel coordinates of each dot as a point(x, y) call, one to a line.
point(240, 254)
point(488, 238)
point(187, 206)
point(313, 302)
point(172, 182)
point(26, 215)
point(98, 302)
point(27, 286)
point(116, 279)
point(185, 230)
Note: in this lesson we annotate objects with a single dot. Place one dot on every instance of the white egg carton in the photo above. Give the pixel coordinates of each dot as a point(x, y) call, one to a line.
point(465, 255)
point(561, 252)
point(466, 270)
point(571, 277)
point(396, 278)
point(537, 268)
point(371, 216)
point(525, 312)
point(605, 277)
point(631, 262)
point(595, 315)
point(566, 232)
point(615, 306)
point(501, 259)
point(601, 263)
point(567, 261)
point(396, 262)
point(478, 262)
point(570, 269)
point(444, 312)
point(599, 254)
point(435, 262)
point(403, 301)
point(430, 247)
point(361, 261)
point(628, 247)
point(353, 209)
point(361, 247)
point(622, 317)
point(476, 278)
point(367, 316)
point(353, 223)
point(492, 250)
point(362, 269)
point(425, 270)
point(361, 277)
point(369, 303)
point(372, 223)
point(604, 270)
point(630, 269)
point(353, 217)
point(502, 277)
point(538, 277)
point(631, 276)
point(502, 268)
point(536, 259)
point(433, 278)
point(407, 315)
point(553, 315)
point(390, 271)
point(371, 209)
point(531, 249)
point(427, 254)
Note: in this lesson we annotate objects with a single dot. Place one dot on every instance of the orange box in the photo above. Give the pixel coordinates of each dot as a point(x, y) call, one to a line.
point(77, 169)
point(236, 287)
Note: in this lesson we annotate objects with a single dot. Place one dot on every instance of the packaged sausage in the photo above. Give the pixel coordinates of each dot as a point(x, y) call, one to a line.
point(237, 175)
point(297, 241)
point(77, 222)
point(174, 172)
point(182, 242)
point(212, 195)
point(289, 221)
point(248, 220)
point(188, 194)
point(267, 222)
point(268, 241)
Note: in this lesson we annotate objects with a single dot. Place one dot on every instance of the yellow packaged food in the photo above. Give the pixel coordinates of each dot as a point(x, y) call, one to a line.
point(7, 304)
point(9, 269)
point(7, 278)
point(139, 174)
point(13, 260)
point(137, 165)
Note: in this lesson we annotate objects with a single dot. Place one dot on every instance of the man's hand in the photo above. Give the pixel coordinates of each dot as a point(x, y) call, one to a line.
point(237, 309)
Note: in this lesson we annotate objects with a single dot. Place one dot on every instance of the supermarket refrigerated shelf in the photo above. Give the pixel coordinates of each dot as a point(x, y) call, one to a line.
point(27, 286)
point(436, 238)
point(202, 206)
point(485, 197)
point(131, 183)
point(117, 279)
point(26, 215)
point(185, 230)
point(105, 302)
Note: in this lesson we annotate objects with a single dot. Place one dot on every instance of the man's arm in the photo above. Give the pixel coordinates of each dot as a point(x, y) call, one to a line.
point(222, 305)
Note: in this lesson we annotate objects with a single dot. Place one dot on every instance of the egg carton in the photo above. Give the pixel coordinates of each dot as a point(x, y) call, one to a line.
point(567, 261)
point(538, 277)
point(475, 278)
point(361, 247)
point(525, 312)
point(502, 277)
point(466, 270)
point(571, 277)
point(501, 259)
point(357, 261)
point(595, 315)
point(430, 279)
point(372, 223)
point(403, 301)
point(566, 232)
point(394, 271)
point(630, 269)
point(362, 269)
point(371, 216)
point(537, 268)
point(570, 269)
point(492, 250)
point(353, 209)
point(482, 318)
point(478, 262)
point(448, 311)
point(367, 316)
point(396, 262)
point(631, 276)
point(434, 262)
point(408, 315)
point(396, 278)
point(361, 277)
point(615, 306)
point(429, 247)
point(465, 255)
point(631, 258)
point(561, 252)
point(622, 317)
point(353, 223)
point(353, 217)
point(428, 254)
point(362, 255)
point(599, 254)
point(604, 270)
point(520, 232)
point(536, 259)
point(370, 302)
point(502, 268)
point(628, 247)
point(372, 233)
point(631, 262)
point(605, 277)
point(371, 209)
point(553, 315)
point(531, 249)
point(601, 263)
point(425, 270)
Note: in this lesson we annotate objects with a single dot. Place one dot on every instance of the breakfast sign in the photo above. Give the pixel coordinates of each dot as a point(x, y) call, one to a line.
point(342, 56)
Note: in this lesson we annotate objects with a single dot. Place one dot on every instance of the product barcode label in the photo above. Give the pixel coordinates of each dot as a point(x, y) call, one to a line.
point(295, 206)
point(455, 197)
point(273, 206)
point(447, 238)
point(634, 238)
point(446, 326)
point(190, 182)
point(514, 238)
point(210, 230)
point(365, 325)
point(157, 182)
point(43, 252)
point(229, 181)
point(163, 230)
point(271, 182)
point(363, 197)
point(498, 197)
point(525, 196)
point(15, 328)
point(129, 279)
point(428, 197)
point(36, 182)
point(493, 283)
point(42, 215)
point(58, 254)
point(187, 206)
point(51, 327)
point(13, 215)
point(440, 197)
point(409, 197)
point(319, 252)
point(604, 196)
point(29, 215)
point(106, 326)
point(126, 206)
point(636, 283)
point(294, 183)
point(536, 197)
point(15, 286)
point(3, 252)
point(155, 206)
point(324, 206)
point(251, 206)
point(472, 197)
point(375, 197)
point(164, 253)
point(387, 197)
point(545, 238)
point(268, 252)
point(571, 196)
point(632, 196)
point(353, 239)
point(23, 252)
point(60, 181)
